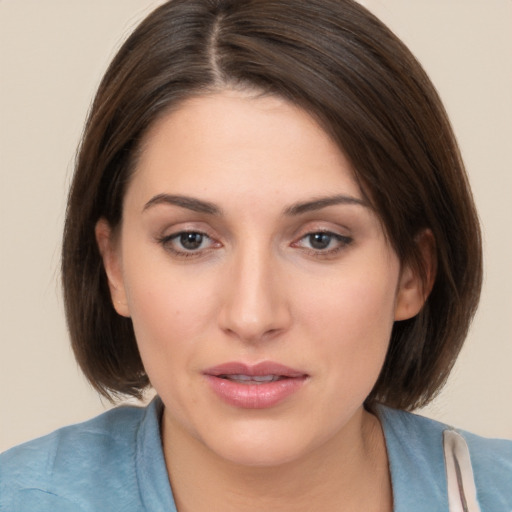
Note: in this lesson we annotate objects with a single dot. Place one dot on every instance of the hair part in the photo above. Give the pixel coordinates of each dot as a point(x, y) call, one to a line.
point(357, 79)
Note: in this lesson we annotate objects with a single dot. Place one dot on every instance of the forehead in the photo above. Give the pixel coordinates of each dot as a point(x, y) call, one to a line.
point(244, 144)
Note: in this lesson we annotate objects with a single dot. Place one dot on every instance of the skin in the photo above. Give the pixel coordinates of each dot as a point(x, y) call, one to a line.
point(257, 288)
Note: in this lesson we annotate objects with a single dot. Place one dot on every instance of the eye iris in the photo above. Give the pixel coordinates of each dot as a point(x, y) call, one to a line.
point(191, 241)
point(320, 240)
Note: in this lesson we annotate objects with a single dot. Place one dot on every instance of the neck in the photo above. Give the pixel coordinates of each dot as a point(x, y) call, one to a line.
point(349, 472)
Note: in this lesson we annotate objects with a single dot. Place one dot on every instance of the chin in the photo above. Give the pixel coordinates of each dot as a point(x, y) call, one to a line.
point(258, 456)
point(261, 445)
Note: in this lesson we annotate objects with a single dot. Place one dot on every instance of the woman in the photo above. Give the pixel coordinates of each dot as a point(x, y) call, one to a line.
point(270, 223)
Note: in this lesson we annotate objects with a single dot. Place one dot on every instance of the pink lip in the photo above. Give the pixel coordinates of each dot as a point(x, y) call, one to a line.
point(251, 394)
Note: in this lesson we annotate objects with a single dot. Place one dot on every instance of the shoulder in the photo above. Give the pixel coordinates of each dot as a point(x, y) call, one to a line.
point(419, 439)
point(492, 466)
point(484, 451)
point(83, 460)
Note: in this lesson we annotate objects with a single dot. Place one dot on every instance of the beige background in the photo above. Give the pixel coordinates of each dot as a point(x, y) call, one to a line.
point(53, 53)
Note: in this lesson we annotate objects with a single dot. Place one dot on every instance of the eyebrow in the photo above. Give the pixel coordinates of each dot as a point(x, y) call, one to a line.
point(200, 206)
point(190, 203)
point(323, 202)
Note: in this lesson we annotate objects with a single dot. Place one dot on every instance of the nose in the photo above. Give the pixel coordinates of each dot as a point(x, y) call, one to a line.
point(255, 305)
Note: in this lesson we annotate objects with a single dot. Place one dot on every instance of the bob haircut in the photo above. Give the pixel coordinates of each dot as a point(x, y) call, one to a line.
point(339, 63)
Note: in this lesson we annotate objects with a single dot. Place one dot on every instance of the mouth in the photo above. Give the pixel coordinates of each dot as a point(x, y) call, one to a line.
point(253, 379)
point(259, 386)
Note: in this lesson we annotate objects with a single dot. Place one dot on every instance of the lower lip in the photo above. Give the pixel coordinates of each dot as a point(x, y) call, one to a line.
point(255, 396)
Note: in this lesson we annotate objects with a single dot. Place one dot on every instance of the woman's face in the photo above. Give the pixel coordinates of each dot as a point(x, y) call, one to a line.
point(260, 283)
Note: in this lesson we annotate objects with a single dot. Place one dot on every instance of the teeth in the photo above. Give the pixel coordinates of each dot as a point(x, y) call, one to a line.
point(252, 378)
point(265, 378)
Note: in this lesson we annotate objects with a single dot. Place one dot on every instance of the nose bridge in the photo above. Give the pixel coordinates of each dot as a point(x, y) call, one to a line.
point(255, 305)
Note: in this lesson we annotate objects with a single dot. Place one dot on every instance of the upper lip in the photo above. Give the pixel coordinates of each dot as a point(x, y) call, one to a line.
point(260, 369)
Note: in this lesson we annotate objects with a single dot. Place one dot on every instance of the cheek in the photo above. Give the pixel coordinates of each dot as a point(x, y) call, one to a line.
point(171, 310)
point(168, 325)
point(352, 304)
point(351, 320)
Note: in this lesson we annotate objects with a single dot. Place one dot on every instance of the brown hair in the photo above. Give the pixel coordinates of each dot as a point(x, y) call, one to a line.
point(341, 64)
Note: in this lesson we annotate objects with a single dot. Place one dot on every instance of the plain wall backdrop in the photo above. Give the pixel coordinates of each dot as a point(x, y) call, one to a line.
point(52, 56)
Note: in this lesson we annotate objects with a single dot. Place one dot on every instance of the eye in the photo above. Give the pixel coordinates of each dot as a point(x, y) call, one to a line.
point(190, 241)
point(323, 242)
point(320, 241)
point(187, 243)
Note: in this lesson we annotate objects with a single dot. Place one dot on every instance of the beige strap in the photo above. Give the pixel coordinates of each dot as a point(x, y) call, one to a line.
point(459, 474)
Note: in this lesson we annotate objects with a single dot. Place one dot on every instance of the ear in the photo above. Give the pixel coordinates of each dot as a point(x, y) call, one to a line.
point(109, 251)
point(414, 288)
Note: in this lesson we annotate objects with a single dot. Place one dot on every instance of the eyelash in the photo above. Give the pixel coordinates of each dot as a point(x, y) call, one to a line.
point(342, 243)
point(168, 242)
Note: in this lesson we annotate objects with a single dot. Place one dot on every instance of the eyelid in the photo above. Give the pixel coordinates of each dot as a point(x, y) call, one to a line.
point(343, 242)
point(322, 226)
point(342, 238)
point(166, 241)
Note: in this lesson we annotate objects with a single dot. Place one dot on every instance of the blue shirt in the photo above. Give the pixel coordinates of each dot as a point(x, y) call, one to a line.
point(115, 462)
